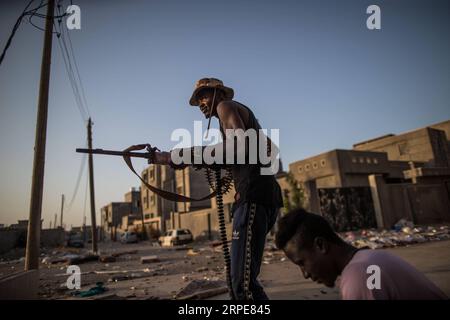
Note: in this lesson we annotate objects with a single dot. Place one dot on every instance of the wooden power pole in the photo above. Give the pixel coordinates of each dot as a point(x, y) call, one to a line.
point(62, 211)
point(91, 189)
point(37, 184)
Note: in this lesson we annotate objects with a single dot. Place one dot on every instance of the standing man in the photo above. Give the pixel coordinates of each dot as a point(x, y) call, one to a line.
point(258, 196)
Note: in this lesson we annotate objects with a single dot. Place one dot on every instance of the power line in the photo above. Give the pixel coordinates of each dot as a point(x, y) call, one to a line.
point(13, 32)
point(77, 70)
point(70, 65)
point(31, 13)
point(77, 184)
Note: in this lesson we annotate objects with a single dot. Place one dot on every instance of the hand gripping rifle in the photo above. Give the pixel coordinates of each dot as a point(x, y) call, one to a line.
point(219, 185)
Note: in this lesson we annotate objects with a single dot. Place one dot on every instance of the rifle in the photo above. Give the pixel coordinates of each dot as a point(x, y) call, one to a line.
point(128, 153)
point(221, 186)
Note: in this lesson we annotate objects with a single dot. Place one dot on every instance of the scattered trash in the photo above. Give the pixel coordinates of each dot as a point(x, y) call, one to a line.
point(192, 252)
point(183, 247)
point(149, 259)
point(98, 289)
point(107, 259)
point(201, 289)
point(118, 254)
point(185, 278)
point(403, 223)
point(403, 233)
point(202, 269)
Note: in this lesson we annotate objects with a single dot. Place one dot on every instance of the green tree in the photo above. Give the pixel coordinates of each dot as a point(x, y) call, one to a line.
point(297, 199)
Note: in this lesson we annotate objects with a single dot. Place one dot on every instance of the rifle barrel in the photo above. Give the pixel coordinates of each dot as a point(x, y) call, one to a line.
point(115, 153)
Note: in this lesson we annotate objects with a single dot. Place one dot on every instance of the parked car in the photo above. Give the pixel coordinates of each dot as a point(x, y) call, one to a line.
point(129, 237)
point(176, 237)
point(75, 241)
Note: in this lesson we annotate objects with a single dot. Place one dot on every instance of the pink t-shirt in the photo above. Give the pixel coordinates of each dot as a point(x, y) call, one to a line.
point(398, 280)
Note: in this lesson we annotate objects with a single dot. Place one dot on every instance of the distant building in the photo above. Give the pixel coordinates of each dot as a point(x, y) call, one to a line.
point(21, 224)
point(112, 214)
point(187, 182)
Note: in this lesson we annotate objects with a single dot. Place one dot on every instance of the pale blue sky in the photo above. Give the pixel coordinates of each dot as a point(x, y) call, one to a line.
point(310, 68)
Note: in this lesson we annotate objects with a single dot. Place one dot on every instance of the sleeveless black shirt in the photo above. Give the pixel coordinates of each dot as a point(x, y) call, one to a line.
point(249, 183)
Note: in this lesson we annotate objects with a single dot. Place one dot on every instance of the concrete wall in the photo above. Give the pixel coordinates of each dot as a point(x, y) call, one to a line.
point(52, 237)
point(8, 240)
point(419, 203)
point(203, 224)
point(411, 146)
point(430, 203)
point(320, 166)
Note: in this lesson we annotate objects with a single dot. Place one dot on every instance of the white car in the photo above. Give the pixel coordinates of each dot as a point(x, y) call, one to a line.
point(176, 237)
point(129, 237)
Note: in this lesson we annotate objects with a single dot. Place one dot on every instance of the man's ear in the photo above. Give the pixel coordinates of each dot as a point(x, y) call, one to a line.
point(321, 245)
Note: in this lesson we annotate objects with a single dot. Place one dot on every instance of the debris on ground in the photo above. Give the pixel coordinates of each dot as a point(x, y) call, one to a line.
point(193, 252)
point(202, 269)
point(183, 247)
point(98, 289)
point(82, 259)
point(118, 254)
point(200, 289)
point(149, 259)
point(71, 259)
point(106, 259)
point(403, 233)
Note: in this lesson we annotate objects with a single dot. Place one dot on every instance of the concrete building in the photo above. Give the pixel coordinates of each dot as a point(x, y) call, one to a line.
point(156, 209)
point(354, 188)
point(112, 214)
point(187, 182)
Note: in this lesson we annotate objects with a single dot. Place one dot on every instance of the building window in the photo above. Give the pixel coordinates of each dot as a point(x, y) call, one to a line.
point(300, 169)
point(402, 149)
point(180, 190)
point(375, 161)
point(145, 176)
point(315, 165)
point(354, 160)
point(152, 174)
point(147, 216)
point(323, 163)
point(152, 199)
point(307, 167)
point(146, 202)
point(361, 160)
point(368, 160)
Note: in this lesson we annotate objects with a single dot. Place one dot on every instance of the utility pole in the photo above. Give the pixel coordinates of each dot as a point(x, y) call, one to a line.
point(56, 218)
point(91, 189)
point(62, 210)
point(84, 228)
point(37, 184)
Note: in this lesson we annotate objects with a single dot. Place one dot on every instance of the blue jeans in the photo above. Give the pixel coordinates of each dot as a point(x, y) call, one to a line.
point(246, 256)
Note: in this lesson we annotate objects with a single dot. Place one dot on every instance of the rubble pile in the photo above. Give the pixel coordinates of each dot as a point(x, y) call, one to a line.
point(404, 233)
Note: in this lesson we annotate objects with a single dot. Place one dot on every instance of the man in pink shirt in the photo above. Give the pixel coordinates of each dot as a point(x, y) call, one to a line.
point(309, 241)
